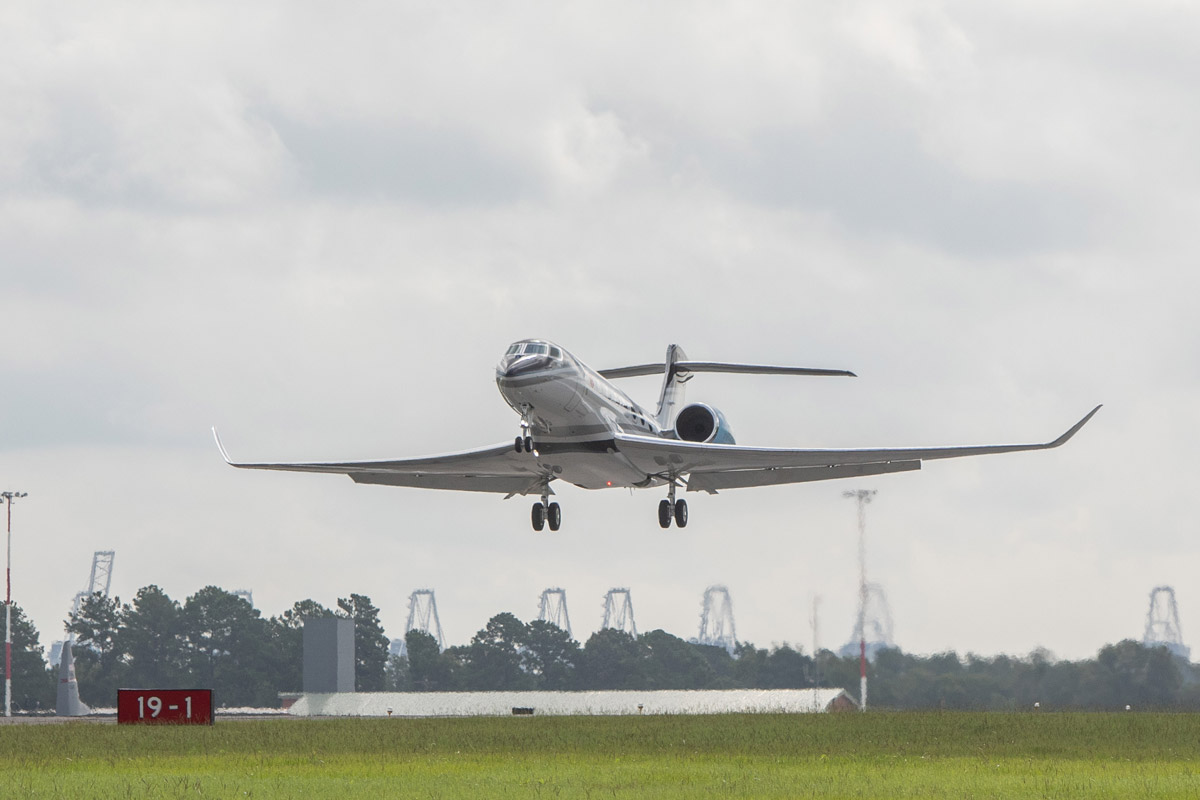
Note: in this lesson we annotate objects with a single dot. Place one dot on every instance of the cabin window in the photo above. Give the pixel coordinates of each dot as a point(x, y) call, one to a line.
point(555, 353)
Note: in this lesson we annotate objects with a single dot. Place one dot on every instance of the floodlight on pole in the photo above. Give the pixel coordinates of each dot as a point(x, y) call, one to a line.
point(8, 497)
point(862, 497)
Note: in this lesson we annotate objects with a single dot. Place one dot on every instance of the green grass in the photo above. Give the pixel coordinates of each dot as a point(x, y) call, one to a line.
point(927, 755)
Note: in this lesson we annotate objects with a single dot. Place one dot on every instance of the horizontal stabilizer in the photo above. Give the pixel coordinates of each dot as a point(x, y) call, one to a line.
point(720, 366)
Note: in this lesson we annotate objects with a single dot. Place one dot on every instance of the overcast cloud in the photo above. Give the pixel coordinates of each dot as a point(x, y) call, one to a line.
point(319, 229)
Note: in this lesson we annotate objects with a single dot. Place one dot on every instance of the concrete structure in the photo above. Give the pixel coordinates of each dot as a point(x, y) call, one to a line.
point(328, 654)
point(68, 703)
point(483, 704)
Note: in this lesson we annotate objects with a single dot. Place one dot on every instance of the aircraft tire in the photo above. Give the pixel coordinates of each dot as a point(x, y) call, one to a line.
point(681, 513)
point(519, 443)
point(528, 444)
point(538, 516)
point(554, 516)
point(664, 514)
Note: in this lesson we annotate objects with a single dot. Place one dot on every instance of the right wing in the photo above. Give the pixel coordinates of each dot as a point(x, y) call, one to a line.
point(711, 467)
point(497, 469)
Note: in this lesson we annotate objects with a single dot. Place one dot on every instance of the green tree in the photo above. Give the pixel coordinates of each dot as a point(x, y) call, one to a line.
point(370, 642)
point(550, 656)
point(786, 668)
point(672, 663)
point(151, 638)
point(33, 683)
point(494, 659)
point(229, 649)
point(429, 670)
point(612, 659)
point(396, 676)
point(99, 665)
point(1143, 677)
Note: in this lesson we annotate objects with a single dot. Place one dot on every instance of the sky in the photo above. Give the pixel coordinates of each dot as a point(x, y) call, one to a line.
point(319, 228)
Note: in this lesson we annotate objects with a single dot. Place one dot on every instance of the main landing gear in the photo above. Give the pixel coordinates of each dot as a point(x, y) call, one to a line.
point(672, 508)
point(546, 513)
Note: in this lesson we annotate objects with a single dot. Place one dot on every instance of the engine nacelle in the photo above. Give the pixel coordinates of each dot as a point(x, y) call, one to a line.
point(702, 423)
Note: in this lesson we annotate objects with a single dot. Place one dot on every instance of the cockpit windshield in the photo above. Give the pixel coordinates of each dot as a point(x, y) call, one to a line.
point(533, 349)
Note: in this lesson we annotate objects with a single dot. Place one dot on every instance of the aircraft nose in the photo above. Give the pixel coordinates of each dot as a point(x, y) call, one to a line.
point(515, 366)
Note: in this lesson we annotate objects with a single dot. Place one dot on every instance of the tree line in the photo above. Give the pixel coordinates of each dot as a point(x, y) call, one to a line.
point(215, 639)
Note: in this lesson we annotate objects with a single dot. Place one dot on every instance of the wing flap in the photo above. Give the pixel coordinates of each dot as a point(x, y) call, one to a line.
point(500, 484)
point(774, 476)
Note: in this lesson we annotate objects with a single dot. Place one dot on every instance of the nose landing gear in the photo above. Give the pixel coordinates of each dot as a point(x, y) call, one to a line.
point(524, 442)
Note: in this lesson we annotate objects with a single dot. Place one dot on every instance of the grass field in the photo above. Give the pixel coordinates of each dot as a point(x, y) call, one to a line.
point(826, 756)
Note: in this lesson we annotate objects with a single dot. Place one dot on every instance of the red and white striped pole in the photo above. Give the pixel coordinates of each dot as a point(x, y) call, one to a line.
point(862, 497)
point(9, 496)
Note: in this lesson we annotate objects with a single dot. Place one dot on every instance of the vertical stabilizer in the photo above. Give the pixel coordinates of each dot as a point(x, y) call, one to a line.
point(69, 704)
point(671, 398)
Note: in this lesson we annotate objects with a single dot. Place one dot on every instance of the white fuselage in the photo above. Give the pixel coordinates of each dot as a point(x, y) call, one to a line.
point(573, 413)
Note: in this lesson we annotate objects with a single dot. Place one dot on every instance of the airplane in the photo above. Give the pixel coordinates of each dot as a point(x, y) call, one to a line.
point(577, 427)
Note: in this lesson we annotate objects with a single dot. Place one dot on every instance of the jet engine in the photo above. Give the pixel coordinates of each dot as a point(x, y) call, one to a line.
point(702, 423)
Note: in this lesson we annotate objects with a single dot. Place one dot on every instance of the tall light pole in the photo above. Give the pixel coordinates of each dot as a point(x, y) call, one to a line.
point(9, 497)
point(862, 496)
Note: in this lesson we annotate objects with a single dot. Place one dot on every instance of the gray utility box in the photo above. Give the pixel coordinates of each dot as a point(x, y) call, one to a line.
point(328, 655)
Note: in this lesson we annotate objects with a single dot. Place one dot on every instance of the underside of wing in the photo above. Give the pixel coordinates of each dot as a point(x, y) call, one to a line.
point(716, 466)
point(498, 469)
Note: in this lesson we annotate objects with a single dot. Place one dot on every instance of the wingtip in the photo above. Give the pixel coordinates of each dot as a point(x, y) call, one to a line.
point(1075, 428)
point(221, 447)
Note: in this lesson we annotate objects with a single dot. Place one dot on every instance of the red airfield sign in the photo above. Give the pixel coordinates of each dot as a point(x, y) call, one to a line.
point(164, 707)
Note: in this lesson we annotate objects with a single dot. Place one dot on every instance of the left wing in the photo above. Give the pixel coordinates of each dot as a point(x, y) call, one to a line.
point(719, 466)
point(498, 468)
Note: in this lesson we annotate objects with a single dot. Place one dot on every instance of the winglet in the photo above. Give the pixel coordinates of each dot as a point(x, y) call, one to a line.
point(1075, 428)
point(224, 454)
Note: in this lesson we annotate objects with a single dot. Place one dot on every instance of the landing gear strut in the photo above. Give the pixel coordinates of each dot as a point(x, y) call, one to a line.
point(672, 509)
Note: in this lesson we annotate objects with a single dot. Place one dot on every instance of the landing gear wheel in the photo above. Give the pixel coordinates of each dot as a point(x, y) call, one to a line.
point(538, 517)
point(554, 516)
point(518, 444)
point(681, 513)
point(528, 444)
point(664, 513)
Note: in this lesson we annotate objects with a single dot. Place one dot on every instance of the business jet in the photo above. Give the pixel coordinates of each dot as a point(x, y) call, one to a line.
point(577, 427)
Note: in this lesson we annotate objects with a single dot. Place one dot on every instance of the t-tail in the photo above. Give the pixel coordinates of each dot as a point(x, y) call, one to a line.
point(671, 397)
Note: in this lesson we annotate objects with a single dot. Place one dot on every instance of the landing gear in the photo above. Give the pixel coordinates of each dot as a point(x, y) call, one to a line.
point(672, 509)
point(524, 441)
point(681, 513)
point(664, 513)
point(546, 513)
